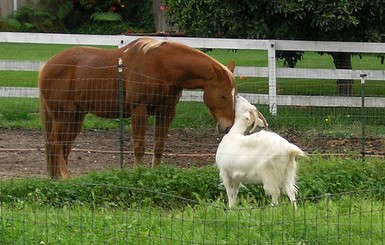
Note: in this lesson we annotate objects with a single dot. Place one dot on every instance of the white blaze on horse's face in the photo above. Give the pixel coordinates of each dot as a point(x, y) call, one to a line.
point(233, 95)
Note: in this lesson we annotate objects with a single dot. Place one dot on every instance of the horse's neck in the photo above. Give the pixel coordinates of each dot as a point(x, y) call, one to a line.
point(193, 73)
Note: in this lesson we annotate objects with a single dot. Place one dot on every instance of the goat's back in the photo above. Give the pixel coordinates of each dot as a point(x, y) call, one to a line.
point(248, 156)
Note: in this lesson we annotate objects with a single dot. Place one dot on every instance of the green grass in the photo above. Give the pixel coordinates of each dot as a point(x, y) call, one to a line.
point(24, 113)
point(340, 202)
point(18, 79)
point(34, 52)
point(42, 52)
point(19, 112)
point(170, 186)
point(351, 221)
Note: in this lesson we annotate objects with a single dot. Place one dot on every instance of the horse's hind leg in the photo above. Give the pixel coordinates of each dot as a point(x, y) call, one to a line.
point(162, 124)
point(71, 134)
point(48, 124)
point(62, 132)
point(66, 132)
point(139, 118)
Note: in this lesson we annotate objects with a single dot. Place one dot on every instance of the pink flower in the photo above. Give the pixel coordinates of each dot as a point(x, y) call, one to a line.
point(163, 8)
point(113, 8)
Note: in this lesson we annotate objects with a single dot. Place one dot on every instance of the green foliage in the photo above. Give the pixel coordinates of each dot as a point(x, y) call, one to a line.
point(64, 9)
point(127, 11)
point(104, 27)
point(9, 24)
point(169, 186)
point(217, 18)
point(106, 16)
point(358, 20)
point(70, 15)
point(319, 176)
point(35, 20)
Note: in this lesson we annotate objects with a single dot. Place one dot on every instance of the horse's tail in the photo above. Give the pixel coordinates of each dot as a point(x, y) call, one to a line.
point(46, 122)
point(45, 119)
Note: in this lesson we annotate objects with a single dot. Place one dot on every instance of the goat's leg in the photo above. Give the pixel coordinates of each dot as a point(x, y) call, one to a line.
point(291, 191)
point(232, 188)
point(272, 190)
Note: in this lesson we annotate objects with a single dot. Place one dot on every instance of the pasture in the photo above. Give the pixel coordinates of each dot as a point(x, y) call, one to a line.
point(341, 198)
point(341, 202)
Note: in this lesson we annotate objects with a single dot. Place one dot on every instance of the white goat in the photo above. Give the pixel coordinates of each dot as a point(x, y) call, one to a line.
point(262, 157)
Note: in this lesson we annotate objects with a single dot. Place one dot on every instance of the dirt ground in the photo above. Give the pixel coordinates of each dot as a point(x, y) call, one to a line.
point(22, 151)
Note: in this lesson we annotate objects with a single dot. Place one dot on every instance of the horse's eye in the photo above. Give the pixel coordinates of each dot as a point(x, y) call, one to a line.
point(223, 97)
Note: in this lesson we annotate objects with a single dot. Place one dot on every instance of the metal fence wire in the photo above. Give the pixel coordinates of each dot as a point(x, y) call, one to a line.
point(317, 220)
point(35, 210)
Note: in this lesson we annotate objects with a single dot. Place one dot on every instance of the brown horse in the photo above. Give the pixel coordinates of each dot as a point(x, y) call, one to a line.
point(84, 80)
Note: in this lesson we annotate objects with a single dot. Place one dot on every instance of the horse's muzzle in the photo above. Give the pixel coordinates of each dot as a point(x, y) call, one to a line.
point(222, 129)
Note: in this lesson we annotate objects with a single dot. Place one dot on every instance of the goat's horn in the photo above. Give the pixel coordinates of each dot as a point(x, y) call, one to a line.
point(263, 120)
point(256, 117)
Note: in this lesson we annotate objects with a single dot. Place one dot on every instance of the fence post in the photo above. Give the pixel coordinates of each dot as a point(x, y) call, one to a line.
point(363, 116)
point(121, 119)
point(271, 61)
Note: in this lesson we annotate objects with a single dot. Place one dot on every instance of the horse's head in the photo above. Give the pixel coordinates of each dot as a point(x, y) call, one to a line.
point(219, 97)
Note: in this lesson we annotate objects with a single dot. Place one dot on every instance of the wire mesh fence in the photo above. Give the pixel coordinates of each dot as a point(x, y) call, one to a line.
point(343, 218)
point(311, 114)
point(316, 129)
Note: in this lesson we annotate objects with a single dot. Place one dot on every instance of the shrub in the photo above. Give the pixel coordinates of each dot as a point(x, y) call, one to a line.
point(170, 186)
point(100, 17)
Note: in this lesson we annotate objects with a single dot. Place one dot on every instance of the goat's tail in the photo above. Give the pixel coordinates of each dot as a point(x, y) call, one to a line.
point(291, 170)
point(295, 151)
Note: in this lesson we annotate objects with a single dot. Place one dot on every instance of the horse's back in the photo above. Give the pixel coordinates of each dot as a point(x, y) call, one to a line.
point(81, 76)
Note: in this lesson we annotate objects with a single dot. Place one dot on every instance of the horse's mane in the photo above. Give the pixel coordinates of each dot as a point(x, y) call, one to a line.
point(146, 44)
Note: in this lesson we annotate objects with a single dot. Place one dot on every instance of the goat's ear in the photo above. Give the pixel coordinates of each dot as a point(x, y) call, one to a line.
point(248, 116)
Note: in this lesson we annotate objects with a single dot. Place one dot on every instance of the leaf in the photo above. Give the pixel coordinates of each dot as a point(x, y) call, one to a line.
point(64, 10)
point(106, 16)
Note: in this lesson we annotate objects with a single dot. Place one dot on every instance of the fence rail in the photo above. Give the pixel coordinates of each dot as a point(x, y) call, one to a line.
point(271, 72)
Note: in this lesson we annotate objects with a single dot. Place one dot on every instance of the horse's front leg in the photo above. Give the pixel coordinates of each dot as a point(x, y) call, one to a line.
point(139, 118)
point(162, 125)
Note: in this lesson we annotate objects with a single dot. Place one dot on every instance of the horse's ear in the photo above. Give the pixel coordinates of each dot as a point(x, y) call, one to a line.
point(231, 66)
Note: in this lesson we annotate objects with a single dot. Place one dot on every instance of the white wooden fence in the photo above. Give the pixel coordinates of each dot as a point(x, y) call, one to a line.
point(271, 72)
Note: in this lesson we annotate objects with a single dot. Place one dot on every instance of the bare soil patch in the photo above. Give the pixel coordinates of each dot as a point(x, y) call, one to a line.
point(22, 151)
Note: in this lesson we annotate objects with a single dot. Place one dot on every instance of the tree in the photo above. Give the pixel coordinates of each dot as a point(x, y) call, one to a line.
point(333, 20)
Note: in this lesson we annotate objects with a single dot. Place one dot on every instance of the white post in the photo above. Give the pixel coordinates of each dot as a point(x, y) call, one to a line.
point(14, 5)
point(272, 78)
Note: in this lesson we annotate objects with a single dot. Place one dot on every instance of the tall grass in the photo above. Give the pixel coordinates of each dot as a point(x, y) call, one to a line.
point(340, 202)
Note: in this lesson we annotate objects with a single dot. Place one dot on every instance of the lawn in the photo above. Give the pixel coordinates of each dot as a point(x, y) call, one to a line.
point(27, 109)
point(350, 221)
point(340, 202)
point(42, 52)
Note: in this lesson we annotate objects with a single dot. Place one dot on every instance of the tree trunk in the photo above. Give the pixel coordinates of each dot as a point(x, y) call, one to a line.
point(343, 61)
